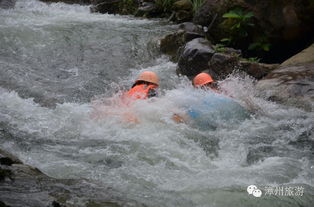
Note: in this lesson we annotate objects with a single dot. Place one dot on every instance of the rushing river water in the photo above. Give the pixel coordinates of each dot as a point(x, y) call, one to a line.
point(55, 59)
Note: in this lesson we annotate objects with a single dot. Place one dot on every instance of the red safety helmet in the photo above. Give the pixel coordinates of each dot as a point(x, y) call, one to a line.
point(202, 79)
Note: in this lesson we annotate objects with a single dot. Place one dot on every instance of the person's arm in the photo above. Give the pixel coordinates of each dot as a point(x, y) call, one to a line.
point(180, 118)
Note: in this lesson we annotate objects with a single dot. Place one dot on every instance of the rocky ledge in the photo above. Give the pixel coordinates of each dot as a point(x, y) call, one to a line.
point(293, 82)
point(24, 186)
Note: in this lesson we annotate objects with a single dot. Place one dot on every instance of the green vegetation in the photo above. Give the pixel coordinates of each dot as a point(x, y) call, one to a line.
point(197, 4)
point(243, 34)
point(253, 59)
point(238, 24)
point(165, 5)
point(260, 46)
point(219, 48)
point(128, 7)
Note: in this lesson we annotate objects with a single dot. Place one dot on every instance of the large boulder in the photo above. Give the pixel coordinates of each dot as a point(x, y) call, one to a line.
point(222, 64)
point(293, 82)
point(7, 4)
point(199, 55)
point(194, 57)
point(170, 43)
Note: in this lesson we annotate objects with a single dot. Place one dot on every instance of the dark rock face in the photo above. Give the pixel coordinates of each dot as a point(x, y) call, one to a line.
point(106, 6)
point(205, 14)
point(222, 64)
point(22, 185)
point(288, 25)
point(285, 19)
point(114, 6)
point(194, 57)
point(7, 4)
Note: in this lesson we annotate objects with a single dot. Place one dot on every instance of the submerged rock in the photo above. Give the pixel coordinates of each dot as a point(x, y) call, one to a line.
point(7, 4)
point(195, 56)
point(293, 82)
point(23, 185)
point(171, 43)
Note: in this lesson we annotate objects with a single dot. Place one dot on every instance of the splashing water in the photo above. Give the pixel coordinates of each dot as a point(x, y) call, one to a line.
point(71, 56)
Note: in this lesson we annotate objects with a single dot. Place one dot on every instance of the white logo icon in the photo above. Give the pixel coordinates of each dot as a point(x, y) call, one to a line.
point(253, 190)
point(257, 193)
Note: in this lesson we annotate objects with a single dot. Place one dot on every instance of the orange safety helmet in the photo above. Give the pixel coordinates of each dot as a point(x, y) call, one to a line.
point(202, 79)
point(148, 76)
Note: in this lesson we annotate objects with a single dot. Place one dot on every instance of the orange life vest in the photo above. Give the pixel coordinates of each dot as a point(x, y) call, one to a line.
point(140, 91)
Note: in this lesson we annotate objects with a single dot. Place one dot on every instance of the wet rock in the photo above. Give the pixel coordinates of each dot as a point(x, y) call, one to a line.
point(222, 64)
point(8, 159)
point(171, 43)
point(192, 28)
point(106, 6)
point(148, 7)
point(293, 82)
point(260, 153)
point(256, 70)
point(7, 4)
point(23, 185)
point(194, 57)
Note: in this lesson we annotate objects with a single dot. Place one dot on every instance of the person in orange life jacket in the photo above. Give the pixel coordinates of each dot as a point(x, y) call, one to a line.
point(203, 81)
point(144, 87)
